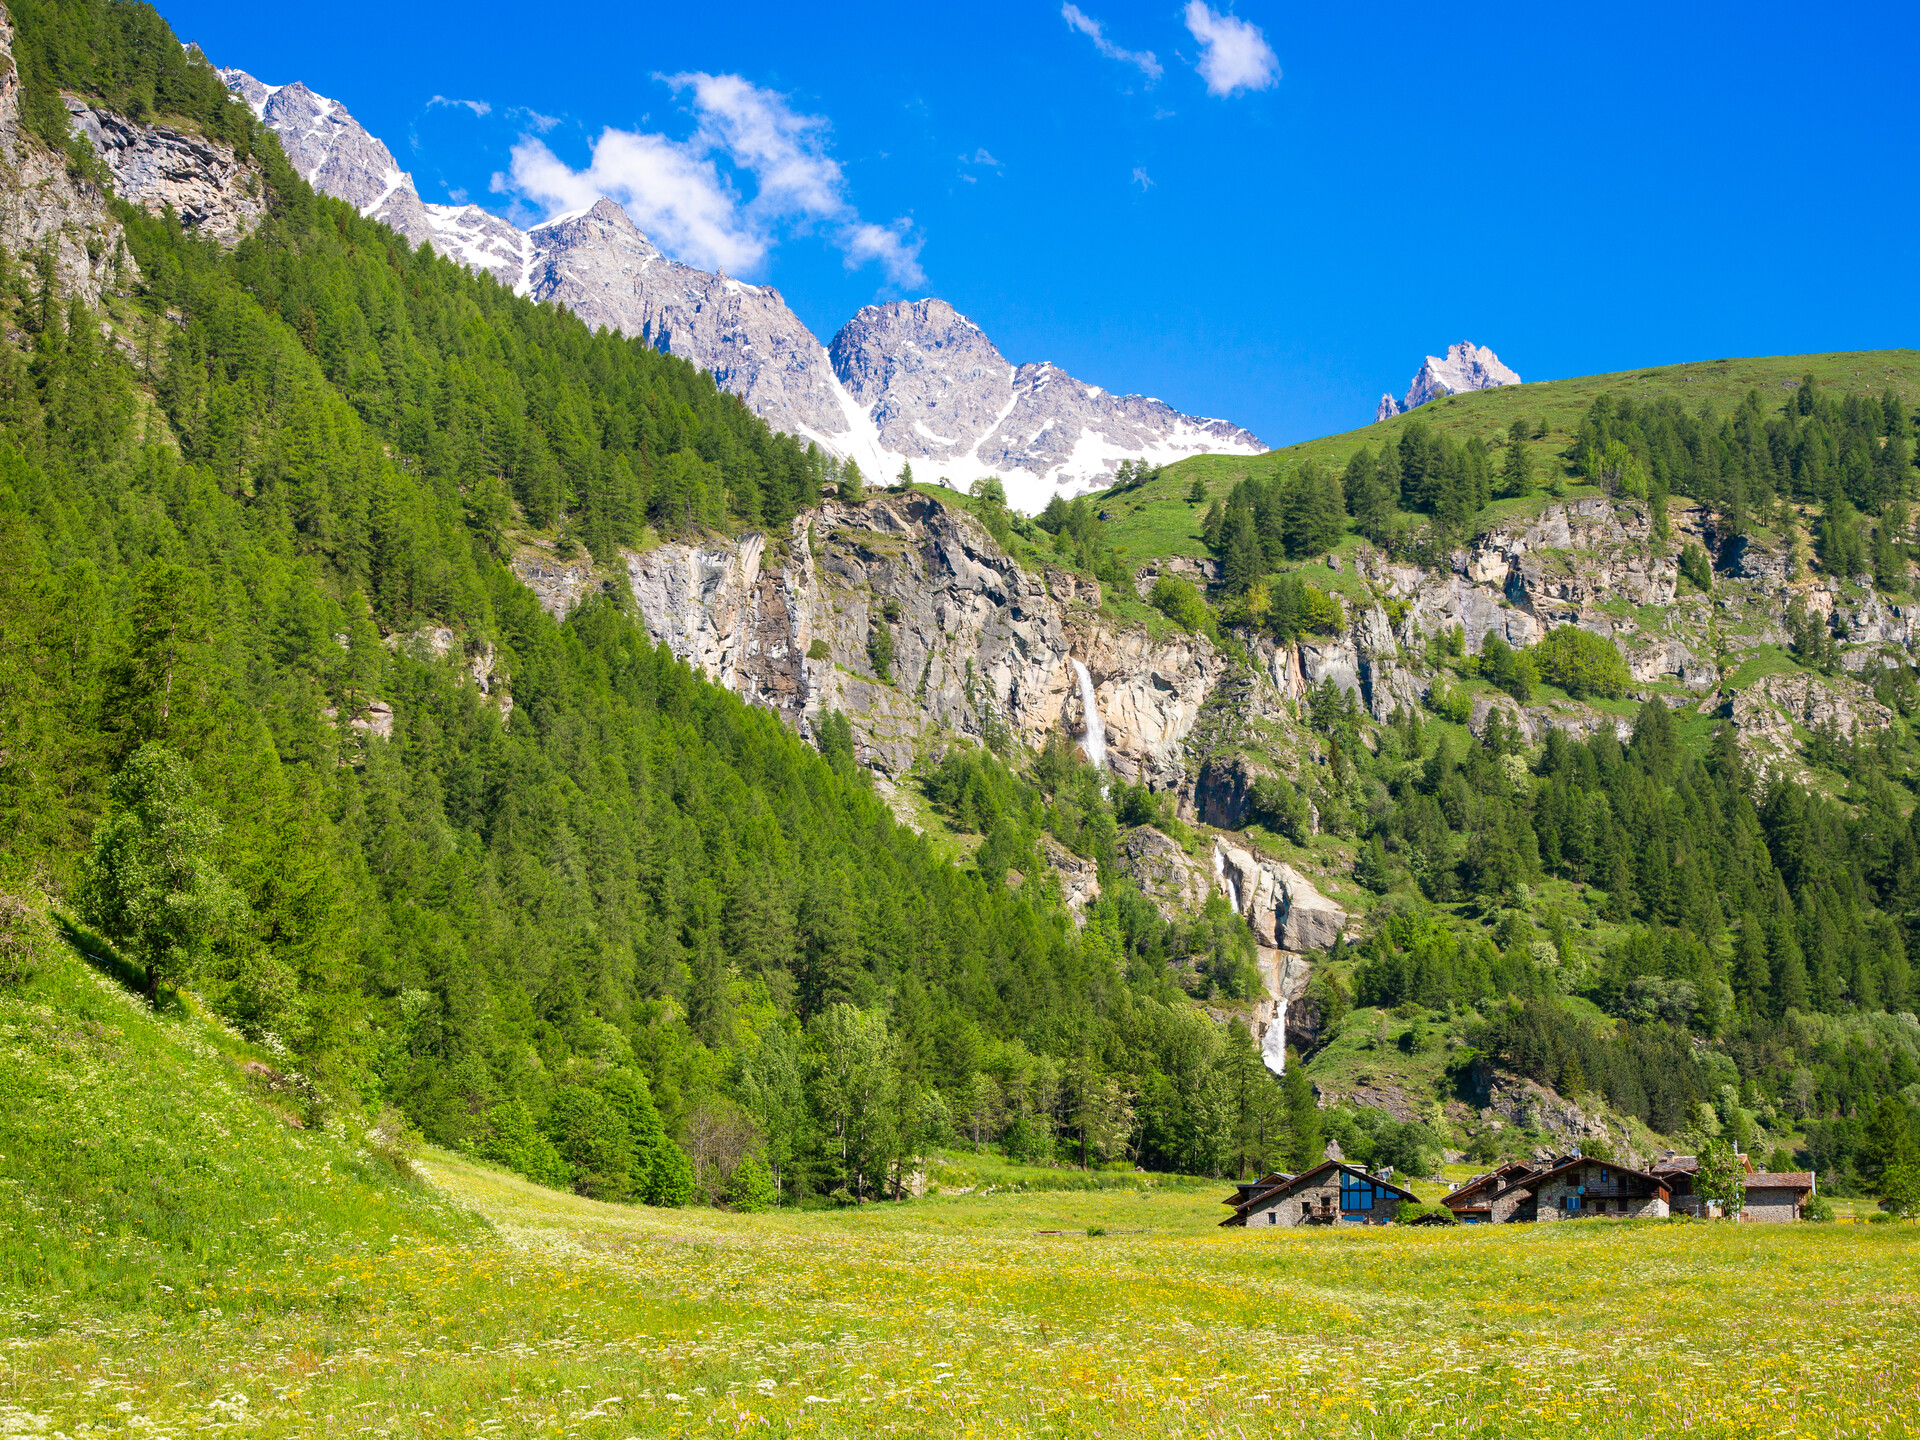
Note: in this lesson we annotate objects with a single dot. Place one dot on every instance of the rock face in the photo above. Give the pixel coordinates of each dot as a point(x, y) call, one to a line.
point(1165, 873)
point(1280, 904)
point(1465, 366)
point(981, 648)
point(42, 205)
point(941, 396)
point(155, 166)
point(1223, 795)
point(909, 382)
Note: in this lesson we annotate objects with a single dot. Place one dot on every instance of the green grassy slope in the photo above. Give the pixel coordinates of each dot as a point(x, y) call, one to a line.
point(160, 1162)
point(1156, 519)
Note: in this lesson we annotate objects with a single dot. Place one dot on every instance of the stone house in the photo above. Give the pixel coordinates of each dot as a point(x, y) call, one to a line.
point(1472, 1203)
point(1333, 1193)
point(1777, 1196)
point(1576, 1188)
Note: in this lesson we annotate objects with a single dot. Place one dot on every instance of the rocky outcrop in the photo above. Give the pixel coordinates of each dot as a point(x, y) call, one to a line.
point(1223, 795)
point(158, 166)
point(1768, 711)
point(911, 382)
point(1465, 366)
point(1079, 877)
point(45, 209)
point(1166, 874)
point(1284, 909)
point(980, 647)
point(560, 584)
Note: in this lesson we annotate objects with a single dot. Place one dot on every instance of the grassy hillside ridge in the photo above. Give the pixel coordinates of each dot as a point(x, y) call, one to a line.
point(159, 1161)
point(1157, 520)
point(1122, 1313)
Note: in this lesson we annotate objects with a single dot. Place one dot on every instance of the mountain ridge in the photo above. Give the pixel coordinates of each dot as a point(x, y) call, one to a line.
point(1041, 431)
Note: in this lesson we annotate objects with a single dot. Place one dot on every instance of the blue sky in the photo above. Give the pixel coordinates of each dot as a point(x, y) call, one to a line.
point(1262, 212)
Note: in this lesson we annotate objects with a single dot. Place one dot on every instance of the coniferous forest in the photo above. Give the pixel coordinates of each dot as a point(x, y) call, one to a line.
point(278, 722)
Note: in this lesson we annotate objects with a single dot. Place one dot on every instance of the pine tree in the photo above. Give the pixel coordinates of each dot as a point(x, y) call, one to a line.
point(1516, 469)
point(1306, 1129)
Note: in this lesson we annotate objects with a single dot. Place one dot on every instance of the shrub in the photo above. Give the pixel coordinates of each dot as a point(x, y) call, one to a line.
point(750, 1187)
point(1181, 603)
point(819, 650)
point(880, 651)
point(1581, 663)
point(1280, 807)
point(1818, 1209)
point(1695, 568)
point(1509, 669)
point(19, 940)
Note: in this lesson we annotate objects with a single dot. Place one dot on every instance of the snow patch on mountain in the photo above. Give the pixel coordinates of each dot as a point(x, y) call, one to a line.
point(1465, 366)
point(911, 382)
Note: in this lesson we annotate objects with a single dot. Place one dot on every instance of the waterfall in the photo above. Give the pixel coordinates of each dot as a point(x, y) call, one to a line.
point(1273, 1045)
point(1095, 740)
point(1227, 882)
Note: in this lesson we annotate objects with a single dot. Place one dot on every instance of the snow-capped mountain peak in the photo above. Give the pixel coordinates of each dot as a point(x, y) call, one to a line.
point(1465, 366)
point(907, 382)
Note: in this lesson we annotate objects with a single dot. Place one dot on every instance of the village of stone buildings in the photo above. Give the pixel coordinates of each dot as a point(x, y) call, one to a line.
point(1571, 1187)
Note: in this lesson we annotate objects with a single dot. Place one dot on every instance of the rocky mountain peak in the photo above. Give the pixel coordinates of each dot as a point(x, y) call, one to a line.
point(908, 381)
point(1465, 366)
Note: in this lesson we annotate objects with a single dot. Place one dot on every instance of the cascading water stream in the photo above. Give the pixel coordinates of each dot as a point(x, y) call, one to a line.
point(1227, 882)
point(1095, 740)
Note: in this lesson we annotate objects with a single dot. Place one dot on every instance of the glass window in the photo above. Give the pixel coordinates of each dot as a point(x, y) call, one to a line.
point(1355, 1193)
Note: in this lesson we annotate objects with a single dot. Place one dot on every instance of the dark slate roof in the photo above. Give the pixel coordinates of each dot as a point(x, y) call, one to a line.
point(1258, 1200)
point(1533, 1182)
point(1779, 1180)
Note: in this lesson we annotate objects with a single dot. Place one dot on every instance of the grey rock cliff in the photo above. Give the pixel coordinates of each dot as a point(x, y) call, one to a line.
point(156, 166)
point(981, 648)
point(42, 206)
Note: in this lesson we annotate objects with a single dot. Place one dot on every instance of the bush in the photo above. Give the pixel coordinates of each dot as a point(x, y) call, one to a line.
point(1449, 703)
point(1695, 567)
point(1818, 1209)
point(1280, 807)
point(1510, 669)
point(1581, 663)
point(1181, 603)
point(880, 651)
point(819, 650)
point(750, 1187)
point(19, 940)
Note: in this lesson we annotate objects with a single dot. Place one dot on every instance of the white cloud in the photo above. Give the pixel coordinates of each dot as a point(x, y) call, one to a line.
point(677, 191)
point(980, 157)
point(1141, 60)
point(533, 119)
point(1234, 55)
point(478, 107)
point(1142, 179)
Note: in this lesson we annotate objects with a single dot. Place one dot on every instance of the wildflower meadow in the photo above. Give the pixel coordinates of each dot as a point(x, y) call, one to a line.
point(185, 1253)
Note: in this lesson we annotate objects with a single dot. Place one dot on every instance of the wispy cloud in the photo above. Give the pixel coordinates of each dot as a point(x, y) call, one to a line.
point(478, 107)
point(679, 193)
point(1141, 60)
point(980, 157)
point(533, 119)
point(1142, 179)
point(1234, 55)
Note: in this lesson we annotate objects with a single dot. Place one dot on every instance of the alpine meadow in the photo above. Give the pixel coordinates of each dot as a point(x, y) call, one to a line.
point(578, 861)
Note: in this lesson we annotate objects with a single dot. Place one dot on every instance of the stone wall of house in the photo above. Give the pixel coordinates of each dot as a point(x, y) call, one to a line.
point(1604, 1196)
point(1771, 1206)
point(1322, 1198)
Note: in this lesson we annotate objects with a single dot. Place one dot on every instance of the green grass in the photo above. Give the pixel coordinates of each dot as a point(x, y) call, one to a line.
point(1168, 525)
point(218, 1268)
